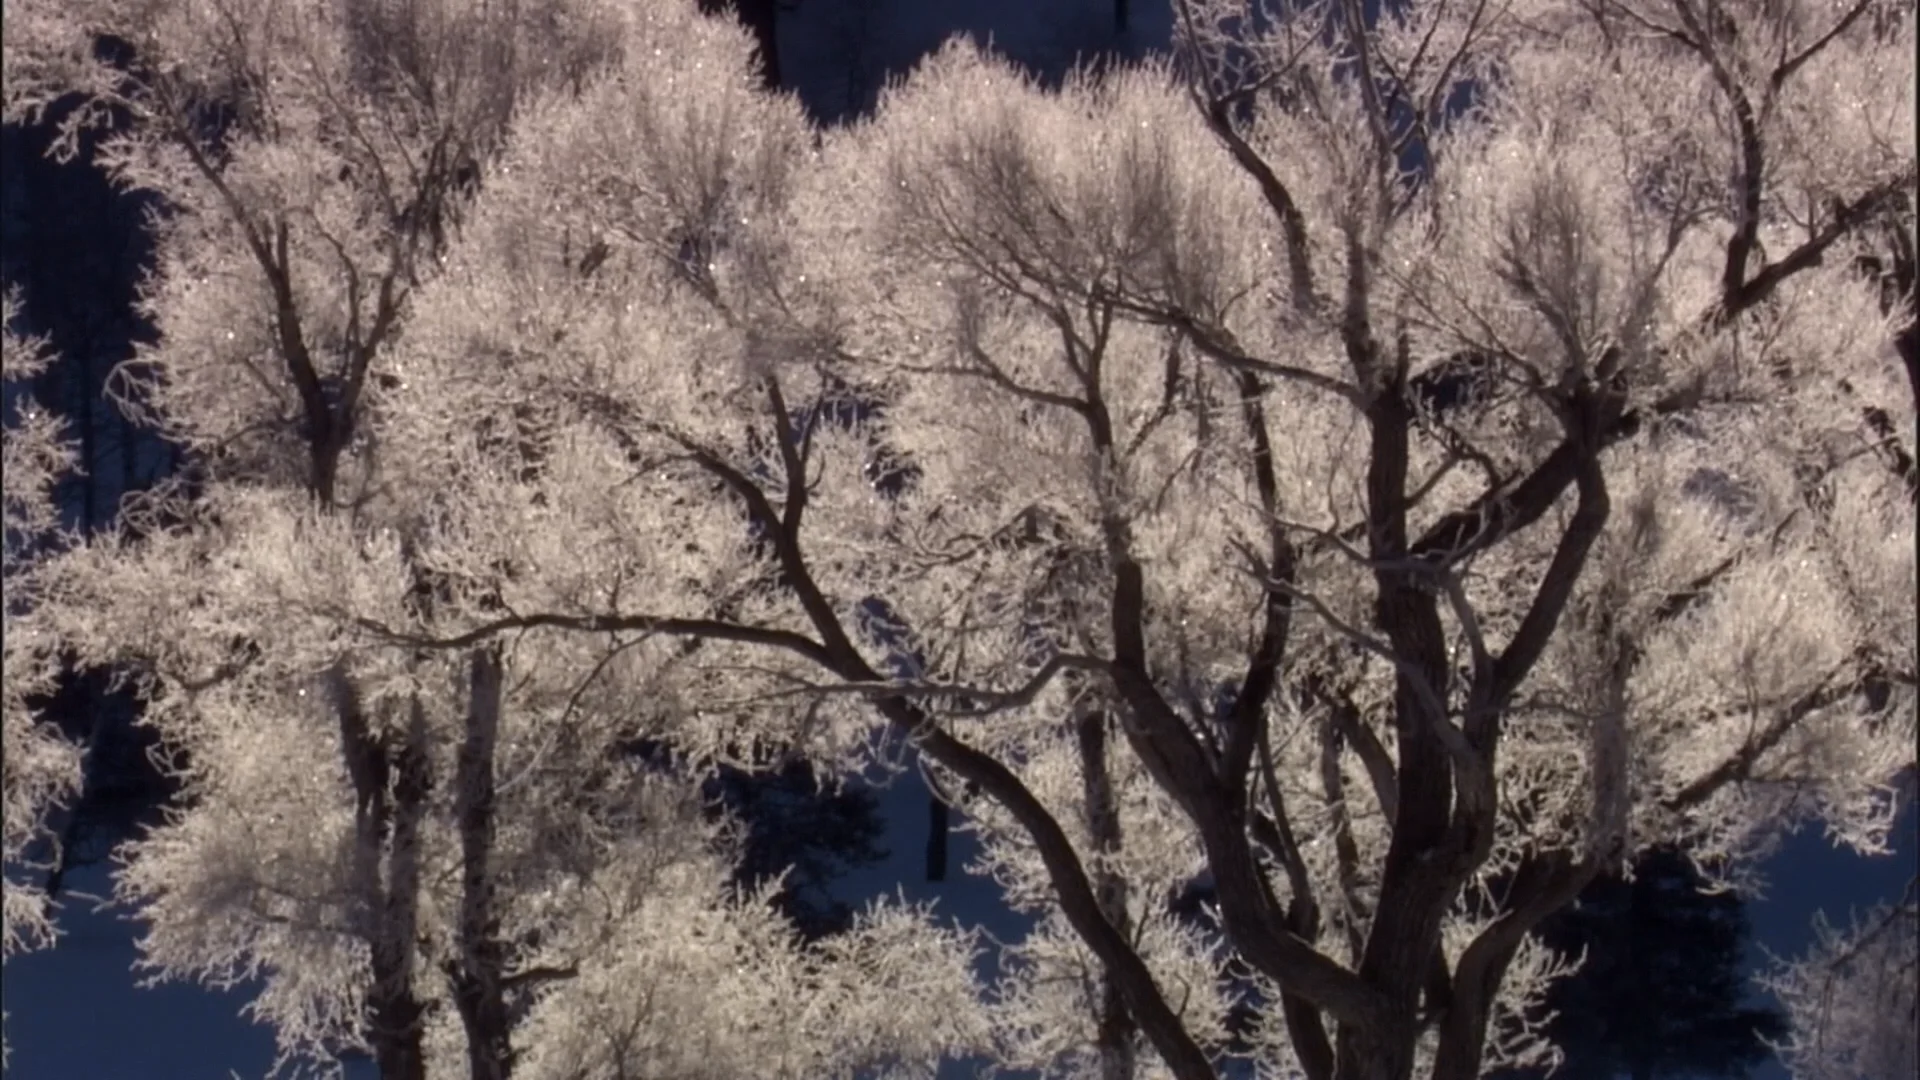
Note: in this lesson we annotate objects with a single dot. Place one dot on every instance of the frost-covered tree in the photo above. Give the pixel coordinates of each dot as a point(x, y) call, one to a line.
point(1392, 471)
point(761, 18)
point(38, 769)
point(1171, 513)
point(443, 858)
point(1853, 998)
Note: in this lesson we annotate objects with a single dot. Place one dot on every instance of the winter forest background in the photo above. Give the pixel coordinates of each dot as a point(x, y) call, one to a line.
point(1668, 988)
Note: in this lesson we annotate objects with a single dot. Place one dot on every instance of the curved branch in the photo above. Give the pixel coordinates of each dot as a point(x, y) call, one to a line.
point(976, 702)
point(1740, 245)
point(1293, 224)
point(1078, 901)
point(1737, 768)
point(1543, 884)
point(1781, 74)
point(1346, 852)
point(1304, 1024)
point(1220, 345)
point(1536, 627)
point(1247, 720)
point(1846, 217)
point(711, 629)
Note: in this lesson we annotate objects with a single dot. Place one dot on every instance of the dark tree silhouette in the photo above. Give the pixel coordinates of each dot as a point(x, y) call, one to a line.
point(815, 836)
point(77, 247)
point(1661, 993)
point(789, 824)
point(123, 787)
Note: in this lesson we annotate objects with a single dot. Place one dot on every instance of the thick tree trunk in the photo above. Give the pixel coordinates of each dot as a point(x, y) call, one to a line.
point(1113, 1039)
point(1420, 876)
point(477, 975)
point(396, 1011)
point(938, 825)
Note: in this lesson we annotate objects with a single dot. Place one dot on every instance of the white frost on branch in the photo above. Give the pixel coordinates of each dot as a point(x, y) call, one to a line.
point(576, 403)
point(1851, 999)
point(38, 768)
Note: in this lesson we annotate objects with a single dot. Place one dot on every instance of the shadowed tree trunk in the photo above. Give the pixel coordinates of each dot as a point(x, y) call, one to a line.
point(1113, 1040)
point(478, 973)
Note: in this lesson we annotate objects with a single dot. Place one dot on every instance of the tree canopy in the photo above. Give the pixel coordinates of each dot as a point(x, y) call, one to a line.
point(39, 768)
point(549, 385)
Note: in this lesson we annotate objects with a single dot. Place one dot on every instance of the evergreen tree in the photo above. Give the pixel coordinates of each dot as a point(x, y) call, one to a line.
point(1661, 993)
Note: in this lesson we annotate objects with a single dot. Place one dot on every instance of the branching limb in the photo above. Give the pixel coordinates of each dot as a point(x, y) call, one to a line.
point(1366, 745)
point(1746, 226)
point(537, 975)
point(1293, 224)
point(985, 368)
point(712, 629)
point(1220, 345)
point(1544, 884)
point(1304, 1024)
point(1830, 692)
point(1846, 217)
point(963, 702)
point(1246, 722)
point(1779, 76)
point(792, 461)
point(1506, 672)
point(1428, 693)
